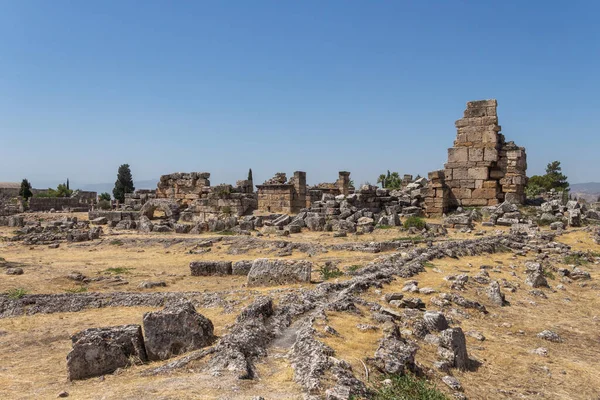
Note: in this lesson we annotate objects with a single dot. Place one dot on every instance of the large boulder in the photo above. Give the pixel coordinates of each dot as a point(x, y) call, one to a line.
point(535, 275)
point(453, 348)
point(265, 272)
point(394, 355)
point(176, 329)
point(206, 268)
point(99, 351)
point(315, 223)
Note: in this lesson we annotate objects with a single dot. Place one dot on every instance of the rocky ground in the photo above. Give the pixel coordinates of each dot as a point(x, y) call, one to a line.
point(482, 313)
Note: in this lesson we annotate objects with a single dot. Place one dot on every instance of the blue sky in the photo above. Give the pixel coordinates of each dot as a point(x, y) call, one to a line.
point(318, 86)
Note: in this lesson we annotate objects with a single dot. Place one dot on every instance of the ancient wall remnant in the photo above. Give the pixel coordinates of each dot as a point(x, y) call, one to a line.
point(202, 202)
point(482, 168)
point(281, 196)
point(436, 199)
point(183, 187)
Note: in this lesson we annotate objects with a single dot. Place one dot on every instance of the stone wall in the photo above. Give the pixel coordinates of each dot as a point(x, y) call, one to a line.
point(183, 187)
point(482, 168)
point(278, 196)
point(57, 204)
point(437, 194)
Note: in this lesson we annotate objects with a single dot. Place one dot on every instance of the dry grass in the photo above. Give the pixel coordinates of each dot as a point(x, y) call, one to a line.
point(352, 344)
point(508, 370)
point(38, 344)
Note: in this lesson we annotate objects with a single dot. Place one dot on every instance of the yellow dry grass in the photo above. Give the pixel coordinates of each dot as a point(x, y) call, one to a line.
point(35, 347)
point(508, 370)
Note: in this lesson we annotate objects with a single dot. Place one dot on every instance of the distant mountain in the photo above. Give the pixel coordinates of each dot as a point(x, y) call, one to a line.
point(108, 187)
point(589, 191)
point(590, 187)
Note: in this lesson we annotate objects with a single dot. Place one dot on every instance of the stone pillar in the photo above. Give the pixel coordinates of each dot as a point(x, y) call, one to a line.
point(299, 197)
point(343, 182)
point(436, 200)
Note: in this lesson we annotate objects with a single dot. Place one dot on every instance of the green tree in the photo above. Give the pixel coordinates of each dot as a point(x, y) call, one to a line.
point(25, 190)
point(63, 191)
point(124, 183)
point(556, 179)
point(250, 174)
point(104, 196)
point(553, 179)
point(390, 180)
point(68, 188)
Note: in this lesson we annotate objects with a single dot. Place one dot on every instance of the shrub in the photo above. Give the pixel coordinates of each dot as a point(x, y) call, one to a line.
point(353, 268)
point(328, 271)
point(104, 205)
point(575, 259)
point(16, 293)
point(408, 387)
point(117, 270)
point(104, 196)
point(116, 242)
point(415, 222)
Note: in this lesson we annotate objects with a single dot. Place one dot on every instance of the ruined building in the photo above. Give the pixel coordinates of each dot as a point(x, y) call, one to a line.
point(282, 196)
point(482, 169)
point(279, 195)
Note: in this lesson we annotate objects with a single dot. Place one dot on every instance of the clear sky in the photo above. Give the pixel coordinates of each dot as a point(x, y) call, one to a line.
point(319, 86)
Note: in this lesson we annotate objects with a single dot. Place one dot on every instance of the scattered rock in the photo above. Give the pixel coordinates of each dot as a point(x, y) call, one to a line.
point(550, 336)
point(99, 351)
point(266, 272)
point(176, 329)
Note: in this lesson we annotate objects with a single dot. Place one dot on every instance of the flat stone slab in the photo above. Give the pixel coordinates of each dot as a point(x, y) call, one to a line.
point(267, 272)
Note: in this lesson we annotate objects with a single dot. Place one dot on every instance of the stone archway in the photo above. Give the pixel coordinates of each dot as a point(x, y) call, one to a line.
point(170, 208)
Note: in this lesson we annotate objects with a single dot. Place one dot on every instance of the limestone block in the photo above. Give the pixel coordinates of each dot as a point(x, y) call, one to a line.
point(484, 193)
point(478, 173)
point(476, 154)
point(458, 154)
point(491, 154)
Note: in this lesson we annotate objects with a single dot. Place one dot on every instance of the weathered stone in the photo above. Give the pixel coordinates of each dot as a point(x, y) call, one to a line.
point(241, 267)
point(206, 268)
point(99, 351)
point(495, 295)
point(176, 329)
point(453, 347)
point(267, 272)
point(435, 321)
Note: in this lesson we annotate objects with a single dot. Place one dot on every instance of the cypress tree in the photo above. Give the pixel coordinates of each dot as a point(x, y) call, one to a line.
point(124, 183)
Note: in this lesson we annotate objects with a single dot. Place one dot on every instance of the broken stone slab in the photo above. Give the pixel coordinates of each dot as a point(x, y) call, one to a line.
point(207, 268)
point(272, 272)
point(550, 336)
point(535, 275)
point(495, 295)
point(453, 348)
point(452, 382)
point(241, 267)
point(176, 329)
point(99, 221)
point(394, 355)
point(152, 285)
point(99, 351)
point(14, 271)
point(435, 321)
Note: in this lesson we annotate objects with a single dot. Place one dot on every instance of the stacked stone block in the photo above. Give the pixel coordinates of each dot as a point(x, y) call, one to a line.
point(278, 196)
point(482, 169)
point(436, 201)
point(183, 187)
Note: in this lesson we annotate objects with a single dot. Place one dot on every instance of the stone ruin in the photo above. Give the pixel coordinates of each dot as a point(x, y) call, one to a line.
point(279, 195)
point(201, 202)
point(482, 169)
